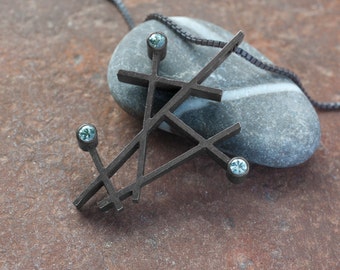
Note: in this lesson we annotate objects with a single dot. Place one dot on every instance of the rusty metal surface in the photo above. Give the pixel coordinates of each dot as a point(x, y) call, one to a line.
point(53, 61)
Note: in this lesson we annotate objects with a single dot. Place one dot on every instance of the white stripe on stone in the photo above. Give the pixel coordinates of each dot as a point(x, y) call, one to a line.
point(261, 89)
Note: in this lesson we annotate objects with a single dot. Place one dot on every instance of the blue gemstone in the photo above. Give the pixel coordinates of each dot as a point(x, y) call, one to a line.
point(157, 40)
point(87, 133)
point(238, 166)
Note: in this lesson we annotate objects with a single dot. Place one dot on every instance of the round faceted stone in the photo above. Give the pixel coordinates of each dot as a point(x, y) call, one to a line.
point(87, 133)
point(157, 40)
point(238, 166)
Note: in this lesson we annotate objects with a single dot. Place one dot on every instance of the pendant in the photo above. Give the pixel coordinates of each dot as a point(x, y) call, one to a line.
point(236, 168)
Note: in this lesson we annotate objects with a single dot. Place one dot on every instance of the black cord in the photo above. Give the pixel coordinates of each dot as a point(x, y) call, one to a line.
point(125, 13)
point(326, 106)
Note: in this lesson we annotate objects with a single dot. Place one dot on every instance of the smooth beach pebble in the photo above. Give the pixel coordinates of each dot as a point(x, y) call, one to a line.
point(280, 127)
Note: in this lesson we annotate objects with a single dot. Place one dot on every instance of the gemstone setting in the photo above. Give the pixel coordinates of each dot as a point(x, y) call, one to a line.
point(87, 133)
point(238, 166)
point(157, 40)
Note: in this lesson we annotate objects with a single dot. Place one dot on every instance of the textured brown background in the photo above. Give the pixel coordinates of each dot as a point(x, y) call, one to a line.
point(53, 57)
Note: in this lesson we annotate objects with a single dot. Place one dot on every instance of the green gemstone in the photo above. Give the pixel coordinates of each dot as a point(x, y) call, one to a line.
point(87, 133)
point(157, 40)
point(239, 166)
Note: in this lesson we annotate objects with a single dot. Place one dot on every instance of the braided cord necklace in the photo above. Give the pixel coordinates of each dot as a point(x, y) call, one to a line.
point(324, 106)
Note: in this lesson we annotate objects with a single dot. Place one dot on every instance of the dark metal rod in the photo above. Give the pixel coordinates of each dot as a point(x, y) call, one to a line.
point(166, 84)
point(226, 133)
point(124, 155)
point(87, 194)
point(150, 123)
point(111, 169)
point(125, 13)
point(147, 179)
point(105, 179)
point(174, 163)
point(156, 58)
point(187, 130)
point(219, 58)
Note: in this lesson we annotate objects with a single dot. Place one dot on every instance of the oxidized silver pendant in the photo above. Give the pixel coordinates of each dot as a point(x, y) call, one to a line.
point(237, 168)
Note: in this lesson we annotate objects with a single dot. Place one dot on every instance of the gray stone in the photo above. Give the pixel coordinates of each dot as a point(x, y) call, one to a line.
point(280, 128)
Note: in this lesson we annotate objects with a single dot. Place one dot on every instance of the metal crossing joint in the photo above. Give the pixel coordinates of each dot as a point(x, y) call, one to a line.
point(237, 168)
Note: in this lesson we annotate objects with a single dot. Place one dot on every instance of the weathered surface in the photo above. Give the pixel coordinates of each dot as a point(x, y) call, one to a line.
point(53, 78)
point(280, 128)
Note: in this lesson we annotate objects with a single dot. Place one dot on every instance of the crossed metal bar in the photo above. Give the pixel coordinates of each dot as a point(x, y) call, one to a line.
point(184, 89)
